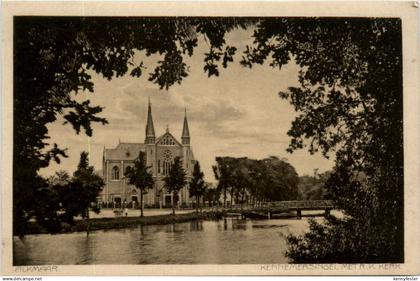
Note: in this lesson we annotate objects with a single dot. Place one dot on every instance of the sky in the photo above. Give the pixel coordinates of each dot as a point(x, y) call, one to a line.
point(237, 114)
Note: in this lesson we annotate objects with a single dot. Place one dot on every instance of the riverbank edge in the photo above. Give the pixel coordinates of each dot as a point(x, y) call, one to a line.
point(127, 222)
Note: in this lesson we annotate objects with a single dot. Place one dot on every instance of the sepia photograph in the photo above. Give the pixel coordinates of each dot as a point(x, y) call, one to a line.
point(208, 140)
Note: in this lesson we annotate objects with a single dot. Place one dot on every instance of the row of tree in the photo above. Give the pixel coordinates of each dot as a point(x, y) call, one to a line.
point(141, 177)
point(256, 181)
point(246, 180)
point(62, 198)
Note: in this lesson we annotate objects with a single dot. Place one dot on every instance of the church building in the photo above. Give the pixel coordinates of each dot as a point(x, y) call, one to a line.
point(160, 154)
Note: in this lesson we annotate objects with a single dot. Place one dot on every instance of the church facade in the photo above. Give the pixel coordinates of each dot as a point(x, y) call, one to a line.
point(160, 154)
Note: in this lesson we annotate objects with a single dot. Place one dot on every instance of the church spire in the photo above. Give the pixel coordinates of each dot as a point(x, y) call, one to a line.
point(150, 130)
point(185, 131)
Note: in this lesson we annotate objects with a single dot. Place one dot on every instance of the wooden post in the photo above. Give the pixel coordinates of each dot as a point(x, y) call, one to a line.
point(88, 222)
point(327, 212)
point(299, 214)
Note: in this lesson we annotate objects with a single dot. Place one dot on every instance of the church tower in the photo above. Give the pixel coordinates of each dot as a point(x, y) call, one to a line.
point(150, 150)
point(185, 131)
point(150, 129)
point(186, 149)
point(186, 153)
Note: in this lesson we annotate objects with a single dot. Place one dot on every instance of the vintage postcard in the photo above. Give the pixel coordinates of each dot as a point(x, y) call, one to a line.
point(210, 138)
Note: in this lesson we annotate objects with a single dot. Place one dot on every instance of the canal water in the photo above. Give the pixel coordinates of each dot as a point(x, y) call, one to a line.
point(227, 241)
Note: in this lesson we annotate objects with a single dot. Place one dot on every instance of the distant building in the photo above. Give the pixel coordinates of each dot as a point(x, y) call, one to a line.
point(160, 154)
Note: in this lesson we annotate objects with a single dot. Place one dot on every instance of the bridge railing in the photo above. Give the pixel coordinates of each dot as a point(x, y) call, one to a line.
point(301, 204)
point(308, 204)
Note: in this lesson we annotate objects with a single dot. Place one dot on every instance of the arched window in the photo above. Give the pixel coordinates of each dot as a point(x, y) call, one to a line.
point(127, 169)
point(115, 173)
point(166, 168)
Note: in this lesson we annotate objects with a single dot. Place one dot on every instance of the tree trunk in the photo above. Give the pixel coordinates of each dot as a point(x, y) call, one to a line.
point(197, 202)
point(173, 203)
point(141, 203)
point(224, 198)
point(232, 198)
point(88, 222)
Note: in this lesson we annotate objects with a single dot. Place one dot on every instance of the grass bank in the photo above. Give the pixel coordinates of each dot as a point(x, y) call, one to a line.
point(126, 222)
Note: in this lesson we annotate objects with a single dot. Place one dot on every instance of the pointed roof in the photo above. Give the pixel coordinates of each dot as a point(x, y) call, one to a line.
point(185, 130)
point(150, 129)
point(124, 151)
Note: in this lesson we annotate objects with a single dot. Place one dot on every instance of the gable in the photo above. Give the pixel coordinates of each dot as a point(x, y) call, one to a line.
point(167, 139)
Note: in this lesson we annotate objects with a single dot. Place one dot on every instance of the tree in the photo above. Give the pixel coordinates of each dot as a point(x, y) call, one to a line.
point(140, 176)
point(269, 179)
point(212, 195)
point(61, 198)
point(197, 186)
point(48, 211)
point(238, 182)
point(222, 173)
point(83, 190)
point(279, 180)
point(350, 103)
point(205, 188)
point(59, 178)
point(313, 187)
point(175, 180)
point(47, 206)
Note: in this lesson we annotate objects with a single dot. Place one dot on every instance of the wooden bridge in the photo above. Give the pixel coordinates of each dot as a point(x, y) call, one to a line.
point(288, 208)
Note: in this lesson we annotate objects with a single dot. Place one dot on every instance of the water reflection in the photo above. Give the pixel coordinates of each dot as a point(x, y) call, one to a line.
point(196, 225)
point(225, 225)
point(85, 247)
point(227, 241)
point(238, 224)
